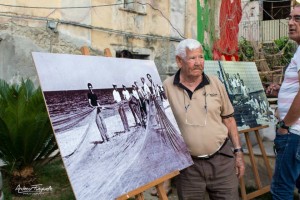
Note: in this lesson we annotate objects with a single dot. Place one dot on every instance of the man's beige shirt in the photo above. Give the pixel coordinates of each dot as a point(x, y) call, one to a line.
point(200, 139)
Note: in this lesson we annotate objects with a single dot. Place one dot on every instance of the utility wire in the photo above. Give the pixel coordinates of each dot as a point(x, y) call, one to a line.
point(92, 27)
point(62, 8)
point(97, 6)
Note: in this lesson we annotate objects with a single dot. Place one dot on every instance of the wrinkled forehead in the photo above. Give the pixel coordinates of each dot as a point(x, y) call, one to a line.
point(194, 51)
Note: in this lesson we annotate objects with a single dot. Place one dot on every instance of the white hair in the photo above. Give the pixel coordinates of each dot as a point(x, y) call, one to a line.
point(190, 44)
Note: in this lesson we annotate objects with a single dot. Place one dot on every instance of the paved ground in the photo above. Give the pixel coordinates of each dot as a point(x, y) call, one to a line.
point(172, 196)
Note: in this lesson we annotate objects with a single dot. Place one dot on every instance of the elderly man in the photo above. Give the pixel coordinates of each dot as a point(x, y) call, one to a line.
point(287, 140)
point(205, 117)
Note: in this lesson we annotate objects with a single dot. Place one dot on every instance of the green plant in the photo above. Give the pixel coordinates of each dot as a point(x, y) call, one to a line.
point(26, 135)
point(286, 47)
point(277, 53)
point(246, 50)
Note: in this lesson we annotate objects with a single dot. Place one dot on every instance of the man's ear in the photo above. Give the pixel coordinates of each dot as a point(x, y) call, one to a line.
point(179, 61)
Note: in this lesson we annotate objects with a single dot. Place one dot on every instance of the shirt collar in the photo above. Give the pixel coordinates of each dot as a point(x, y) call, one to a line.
point(205, 81)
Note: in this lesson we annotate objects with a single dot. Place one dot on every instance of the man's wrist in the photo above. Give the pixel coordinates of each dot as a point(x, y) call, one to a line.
point(282, 130)
point(281, 124)
point(238, 150)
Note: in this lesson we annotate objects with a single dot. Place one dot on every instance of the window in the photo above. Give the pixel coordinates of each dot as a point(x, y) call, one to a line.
point(134, 55)
point(276, 10)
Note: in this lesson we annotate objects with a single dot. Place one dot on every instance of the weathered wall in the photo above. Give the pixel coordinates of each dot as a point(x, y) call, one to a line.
point(249, 25)
point(149, 32)
point(17, 43)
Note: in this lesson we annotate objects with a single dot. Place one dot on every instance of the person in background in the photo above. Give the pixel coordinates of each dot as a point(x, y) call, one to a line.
point(287, 140)
point(238, 83)
point(142, 99)
point(153, 89)
point(121, 110)
point(245, 90)
point(160, 92)
point(146, 90)
point(131, 103)
point(135, 103)
point(204, 115)
point(93, 102)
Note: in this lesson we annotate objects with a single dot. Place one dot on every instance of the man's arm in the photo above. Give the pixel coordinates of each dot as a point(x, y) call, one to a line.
point(90, 103)
point(235, 139)
point(294, 112)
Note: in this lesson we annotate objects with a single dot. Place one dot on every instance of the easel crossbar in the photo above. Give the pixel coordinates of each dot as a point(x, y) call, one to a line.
point(258, 192)
point(158, 183)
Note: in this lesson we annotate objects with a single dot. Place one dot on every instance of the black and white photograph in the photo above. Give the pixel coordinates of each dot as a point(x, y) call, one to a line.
point(112, 122)
point(245, 90)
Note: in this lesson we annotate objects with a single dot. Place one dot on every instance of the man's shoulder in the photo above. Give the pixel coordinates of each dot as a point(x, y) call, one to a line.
point(212, 78)
point(169, 80)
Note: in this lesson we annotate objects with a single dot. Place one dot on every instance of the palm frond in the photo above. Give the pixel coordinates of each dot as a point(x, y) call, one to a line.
point(25, 130)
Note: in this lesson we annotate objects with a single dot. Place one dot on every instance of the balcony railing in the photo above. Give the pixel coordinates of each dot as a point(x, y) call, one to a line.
point(263, 31)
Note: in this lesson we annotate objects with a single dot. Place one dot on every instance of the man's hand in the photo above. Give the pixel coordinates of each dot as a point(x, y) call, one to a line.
point(282, 131)
point(273, 89)
point(239, 164)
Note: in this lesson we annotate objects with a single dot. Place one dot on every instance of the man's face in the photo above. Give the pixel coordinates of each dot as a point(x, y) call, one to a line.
point(149, 78)
point(294, 25)
point(193, 64)
point(143, 80)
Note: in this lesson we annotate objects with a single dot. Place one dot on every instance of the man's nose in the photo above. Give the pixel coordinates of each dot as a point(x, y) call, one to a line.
point(198, 61)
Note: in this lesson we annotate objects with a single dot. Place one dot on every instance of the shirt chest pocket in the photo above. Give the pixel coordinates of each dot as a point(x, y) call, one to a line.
point(213, 102)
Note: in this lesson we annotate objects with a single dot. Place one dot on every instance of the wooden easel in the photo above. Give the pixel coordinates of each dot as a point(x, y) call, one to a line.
point(85, 51)
point(260, 189)
point(158, 183)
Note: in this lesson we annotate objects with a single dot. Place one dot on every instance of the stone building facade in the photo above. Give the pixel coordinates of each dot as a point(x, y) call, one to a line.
point(149, 29)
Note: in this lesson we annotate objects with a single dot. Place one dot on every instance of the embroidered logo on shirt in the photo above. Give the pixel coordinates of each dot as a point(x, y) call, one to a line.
point(212, 94)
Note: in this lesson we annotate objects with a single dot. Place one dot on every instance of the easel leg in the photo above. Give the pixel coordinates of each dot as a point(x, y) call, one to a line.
point(243, 189)
point(161, 191)
point(253, 163)
point(260, 190)
point(264, 154)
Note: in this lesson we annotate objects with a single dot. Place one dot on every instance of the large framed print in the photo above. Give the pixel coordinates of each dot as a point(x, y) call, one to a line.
point(245, 90)
point(112, 122)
